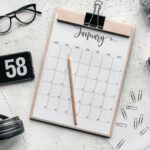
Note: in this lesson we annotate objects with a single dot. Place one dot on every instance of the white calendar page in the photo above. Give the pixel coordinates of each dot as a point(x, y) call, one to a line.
point(98, 63)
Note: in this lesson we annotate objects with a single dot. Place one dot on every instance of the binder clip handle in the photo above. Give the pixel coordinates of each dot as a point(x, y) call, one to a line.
point(94, 19)
point(97, 4)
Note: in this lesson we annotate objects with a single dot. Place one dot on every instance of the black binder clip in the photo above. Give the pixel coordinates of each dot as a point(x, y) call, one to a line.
point(95, 20)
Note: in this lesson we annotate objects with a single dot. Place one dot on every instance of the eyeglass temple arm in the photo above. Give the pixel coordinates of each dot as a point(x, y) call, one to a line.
point(27, 6)
point(39, 12)
point(24, 9)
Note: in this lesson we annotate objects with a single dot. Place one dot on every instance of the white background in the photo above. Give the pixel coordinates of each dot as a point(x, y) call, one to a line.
point(41, 136)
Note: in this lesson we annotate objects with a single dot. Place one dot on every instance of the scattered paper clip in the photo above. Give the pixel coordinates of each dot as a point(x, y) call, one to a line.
point(124, 113)
point(140, 95)
point(133, 96)
point(131, 107)
point(120, 144)
point(135, 123)
point(121, 124)
point(143, 131)
point(141, 119)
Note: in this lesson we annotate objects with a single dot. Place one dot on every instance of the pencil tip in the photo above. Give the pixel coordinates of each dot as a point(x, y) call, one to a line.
point(69, 56)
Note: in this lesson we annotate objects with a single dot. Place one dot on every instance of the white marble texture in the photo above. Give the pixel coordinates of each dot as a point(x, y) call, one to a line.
point(16, 99)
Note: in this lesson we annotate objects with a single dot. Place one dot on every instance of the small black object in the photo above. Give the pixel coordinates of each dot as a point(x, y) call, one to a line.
point(95, 20)
point(10, 127)
point(16, 68)
point(148, 63)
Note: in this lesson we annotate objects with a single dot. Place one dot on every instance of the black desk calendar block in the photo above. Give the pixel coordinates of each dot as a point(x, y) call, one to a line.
point(16, 68)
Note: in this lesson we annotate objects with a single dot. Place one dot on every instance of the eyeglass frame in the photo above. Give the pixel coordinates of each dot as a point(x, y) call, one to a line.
point(13, 15)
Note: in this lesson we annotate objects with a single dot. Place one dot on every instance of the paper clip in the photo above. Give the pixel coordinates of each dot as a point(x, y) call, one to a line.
point(121, 124)
point(143, 131)
point(131, 107)
point(124, 113)
point(140, 95)
point(120, 144)
point(141, 119)
point(135, 123)
point(132, 96)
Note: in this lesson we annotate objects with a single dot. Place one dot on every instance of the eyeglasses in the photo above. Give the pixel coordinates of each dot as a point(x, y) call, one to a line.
point(24, 15)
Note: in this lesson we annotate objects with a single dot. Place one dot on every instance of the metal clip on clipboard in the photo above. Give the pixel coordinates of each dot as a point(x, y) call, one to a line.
point(95, 20)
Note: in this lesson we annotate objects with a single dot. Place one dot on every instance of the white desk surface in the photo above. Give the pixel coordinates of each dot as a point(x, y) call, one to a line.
point(41, 136)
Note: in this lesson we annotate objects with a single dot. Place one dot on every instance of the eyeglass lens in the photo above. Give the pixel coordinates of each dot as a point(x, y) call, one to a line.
point(4, 24)
point(26, 16)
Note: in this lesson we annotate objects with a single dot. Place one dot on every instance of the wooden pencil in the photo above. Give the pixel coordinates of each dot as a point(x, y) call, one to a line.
point(72, 90)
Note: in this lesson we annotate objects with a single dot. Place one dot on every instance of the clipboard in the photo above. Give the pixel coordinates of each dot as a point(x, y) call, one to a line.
point(96, 23)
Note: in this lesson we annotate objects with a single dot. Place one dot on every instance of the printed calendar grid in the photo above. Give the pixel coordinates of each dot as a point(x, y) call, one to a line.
point(76, 76)
point(93, 90)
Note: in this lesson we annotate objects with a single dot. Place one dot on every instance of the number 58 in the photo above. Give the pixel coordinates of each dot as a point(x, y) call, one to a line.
point(12, 70)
